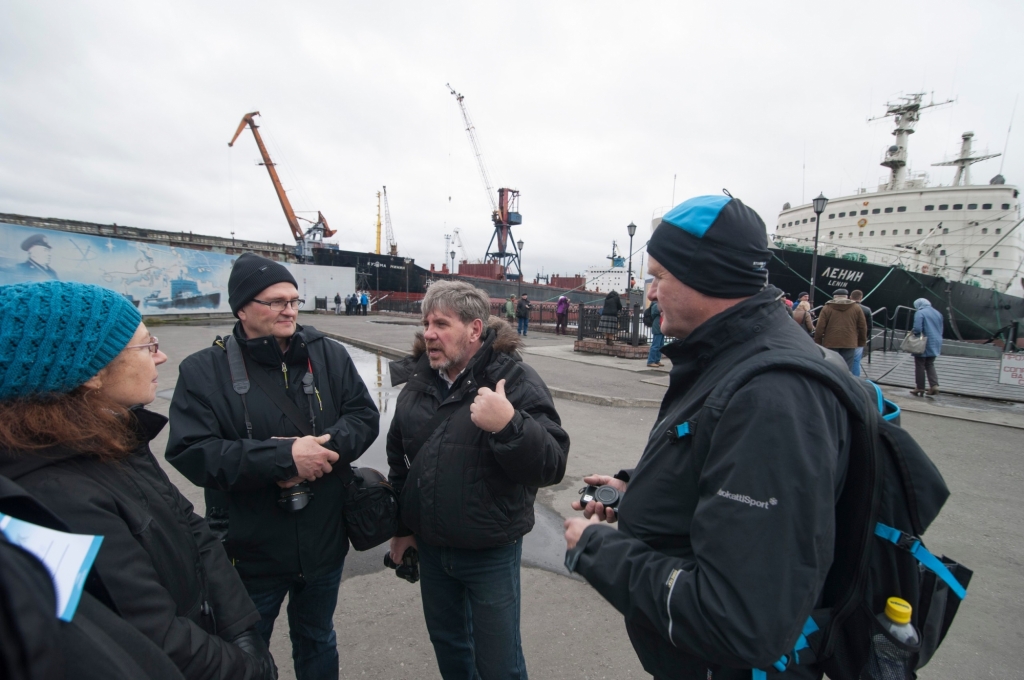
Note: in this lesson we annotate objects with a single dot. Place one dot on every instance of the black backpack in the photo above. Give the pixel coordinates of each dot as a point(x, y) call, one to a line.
point(648, 317)
point(891, 494)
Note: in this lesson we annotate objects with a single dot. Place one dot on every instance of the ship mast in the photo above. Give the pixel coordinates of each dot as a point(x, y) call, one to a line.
point(964, 162)
point(906, 112)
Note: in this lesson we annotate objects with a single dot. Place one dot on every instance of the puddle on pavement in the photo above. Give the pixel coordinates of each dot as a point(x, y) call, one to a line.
point(543, 548)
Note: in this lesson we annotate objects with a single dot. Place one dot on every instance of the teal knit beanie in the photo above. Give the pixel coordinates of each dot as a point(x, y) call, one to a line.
point(56, 335)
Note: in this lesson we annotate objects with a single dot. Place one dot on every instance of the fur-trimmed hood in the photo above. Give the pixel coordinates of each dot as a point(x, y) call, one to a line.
point(507, 341)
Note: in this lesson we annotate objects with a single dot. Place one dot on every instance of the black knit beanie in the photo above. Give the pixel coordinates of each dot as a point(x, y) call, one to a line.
point(250, 275)
point(715, 245)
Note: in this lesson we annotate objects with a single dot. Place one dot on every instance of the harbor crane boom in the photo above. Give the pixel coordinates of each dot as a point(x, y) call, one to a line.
point(319, 230)
point(392, 243)
point(504, 206)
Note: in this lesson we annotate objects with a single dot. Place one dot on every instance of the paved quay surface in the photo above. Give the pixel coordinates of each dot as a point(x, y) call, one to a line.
point(568, 630)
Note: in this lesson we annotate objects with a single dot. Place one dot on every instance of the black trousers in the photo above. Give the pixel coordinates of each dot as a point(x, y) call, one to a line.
point(922, 366)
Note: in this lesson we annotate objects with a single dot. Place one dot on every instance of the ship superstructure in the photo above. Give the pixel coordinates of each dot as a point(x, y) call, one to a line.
point(963, 232)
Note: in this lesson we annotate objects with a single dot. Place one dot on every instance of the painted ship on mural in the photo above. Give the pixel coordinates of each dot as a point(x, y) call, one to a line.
point(959, 245)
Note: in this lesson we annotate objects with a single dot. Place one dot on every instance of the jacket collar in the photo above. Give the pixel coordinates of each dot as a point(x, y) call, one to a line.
point(266, 351)
point(145, 425)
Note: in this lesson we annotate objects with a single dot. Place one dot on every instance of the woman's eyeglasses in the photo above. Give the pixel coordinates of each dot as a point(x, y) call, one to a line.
point(279, 305)
point(153, 345)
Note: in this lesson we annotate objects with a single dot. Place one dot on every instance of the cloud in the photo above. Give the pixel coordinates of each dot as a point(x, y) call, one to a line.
point(121, 112)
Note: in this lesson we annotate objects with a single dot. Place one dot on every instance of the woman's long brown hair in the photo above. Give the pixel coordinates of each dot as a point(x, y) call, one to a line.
point(82, 420)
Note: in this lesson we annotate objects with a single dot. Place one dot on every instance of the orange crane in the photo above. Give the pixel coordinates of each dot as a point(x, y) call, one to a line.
point(315, 233)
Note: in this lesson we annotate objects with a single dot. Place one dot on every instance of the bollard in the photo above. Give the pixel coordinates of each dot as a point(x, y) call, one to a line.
point(635, 325)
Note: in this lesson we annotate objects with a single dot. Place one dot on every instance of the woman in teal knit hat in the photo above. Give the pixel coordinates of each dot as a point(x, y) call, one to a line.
point(77, 367)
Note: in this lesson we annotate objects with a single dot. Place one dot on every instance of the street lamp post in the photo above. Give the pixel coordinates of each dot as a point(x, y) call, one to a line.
point(452, 254)
point(819, 207)
point(407, 263)
point(519, 244)
point(631, 228)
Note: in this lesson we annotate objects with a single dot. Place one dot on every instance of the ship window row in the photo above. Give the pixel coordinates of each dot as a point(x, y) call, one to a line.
point(994, 254)
point(970, 206)
point(986, 272)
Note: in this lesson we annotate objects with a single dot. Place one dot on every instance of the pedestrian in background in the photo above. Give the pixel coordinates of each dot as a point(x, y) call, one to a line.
point(657, 339)
point(467, 489)
point(562, 315)
point(857, 296)
point(841, 326)
point(523, 314)
point(77, 367)
point(364, 302)
point(609, 323)
point(510, 310)
point(802, 315)
point(928, 321)
point(337, 304)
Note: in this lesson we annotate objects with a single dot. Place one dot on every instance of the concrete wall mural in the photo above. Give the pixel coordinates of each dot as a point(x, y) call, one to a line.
point(157, 279)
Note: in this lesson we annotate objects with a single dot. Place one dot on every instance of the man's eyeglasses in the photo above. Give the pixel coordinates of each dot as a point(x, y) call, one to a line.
point(153, 345)
point(279, 305)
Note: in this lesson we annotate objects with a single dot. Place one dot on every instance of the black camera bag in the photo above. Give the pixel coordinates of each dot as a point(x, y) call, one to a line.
point(371, 508)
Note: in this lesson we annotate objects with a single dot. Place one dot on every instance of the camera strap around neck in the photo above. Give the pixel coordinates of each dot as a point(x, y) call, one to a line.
point(278, 396)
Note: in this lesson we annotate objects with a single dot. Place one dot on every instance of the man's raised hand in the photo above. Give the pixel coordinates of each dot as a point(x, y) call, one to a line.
point(491, 411)
point(312, 460)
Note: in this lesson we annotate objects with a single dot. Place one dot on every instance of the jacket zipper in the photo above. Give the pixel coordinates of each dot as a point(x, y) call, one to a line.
point(284, 369)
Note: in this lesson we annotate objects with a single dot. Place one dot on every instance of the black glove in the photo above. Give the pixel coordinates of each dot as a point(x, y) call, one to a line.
point(262, 666)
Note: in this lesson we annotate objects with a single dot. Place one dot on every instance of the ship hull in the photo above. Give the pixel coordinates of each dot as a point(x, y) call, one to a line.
point(970, 312)
point(206, 301)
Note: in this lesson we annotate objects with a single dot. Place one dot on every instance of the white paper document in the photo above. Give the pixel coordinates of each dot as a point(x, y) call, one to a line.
point(68, 557)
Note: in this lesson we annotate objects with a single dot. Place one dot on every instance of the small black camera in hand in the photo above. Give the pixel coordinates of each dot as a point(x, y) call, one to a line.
point(409, 569)
point(606, 495)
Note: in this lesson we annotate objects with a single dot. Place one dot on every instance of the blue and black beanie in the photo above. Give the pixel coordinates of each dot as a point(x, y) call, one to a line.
point(56, 335)
point(715, 245)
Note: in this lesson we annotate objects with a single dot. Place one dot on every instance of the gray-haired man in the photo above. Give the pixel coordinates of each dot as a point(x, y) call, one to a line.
point(475, 433)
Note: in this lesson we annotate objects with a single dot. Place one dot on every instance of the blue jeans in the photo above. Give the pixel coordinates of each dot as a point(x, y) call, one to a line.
point(524, 323)
point(856, 361)
point(311, 607)
point(654, 356)
point(471, 605)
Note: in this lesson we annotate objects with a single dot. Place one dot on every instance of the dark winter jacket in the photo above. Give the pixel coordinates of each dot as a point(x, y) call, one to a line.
point(841, 325)
point(612, 304)
point(164, 570)
point(717, 567)
point(96, 644)
point(208, 445)
point(523, 309)
point(468, 488)
point(656, 316)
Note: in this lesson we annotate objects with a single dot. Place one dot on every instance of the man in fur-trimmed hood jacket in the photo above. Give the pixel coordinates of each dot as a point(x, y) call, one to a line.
point(475, 434)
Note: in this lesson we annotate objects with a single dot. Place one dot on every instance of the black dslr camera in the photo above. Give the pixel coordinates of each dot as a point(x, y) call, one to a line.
point(295, 498)
point(606, 495)
point(409, 569)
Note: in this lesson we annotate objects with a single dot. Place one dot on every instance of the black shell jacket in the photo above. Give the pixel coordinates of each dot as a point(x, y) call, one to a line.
point(468, 488)
point(716, 568)
point(164, 570)
point(96, 644)
point(208, 444)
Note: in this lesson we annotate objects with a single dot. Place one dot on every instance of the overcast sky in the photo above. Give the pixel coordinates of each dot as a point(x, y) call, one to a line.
point(121, 111)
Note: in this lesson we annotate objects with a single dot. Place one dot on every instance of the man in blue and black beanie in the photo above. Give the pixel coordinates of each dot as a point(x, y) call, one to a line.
point(717, 564)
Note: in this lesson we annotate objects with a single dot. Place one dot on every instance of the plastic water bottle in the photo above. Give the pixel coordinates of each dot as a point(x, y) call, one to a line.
point(889, 662)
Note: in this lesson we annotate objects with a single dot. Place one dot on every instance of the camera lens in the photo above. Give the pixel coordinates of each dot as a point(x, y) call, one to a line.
point(606, 495)
point(295, 498)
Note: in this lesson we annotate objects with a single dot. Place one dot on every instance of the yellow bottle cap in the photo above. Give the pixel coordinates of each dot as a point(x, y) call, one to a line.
point(898, 610)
